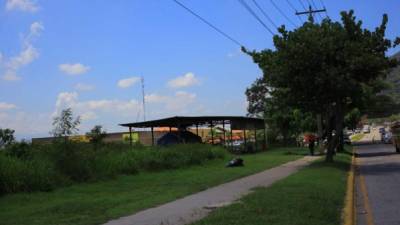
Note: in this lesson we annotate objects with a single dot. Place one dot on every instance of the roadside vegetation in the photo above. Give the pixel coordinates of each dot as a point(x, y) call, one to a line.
point(312, 196)
point(28, 167)
point(98, 202)
point(357, 137)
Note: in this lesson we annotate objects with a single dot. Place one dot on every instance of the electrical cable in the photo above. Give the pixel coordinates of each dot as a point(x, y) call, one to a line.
point(208, 23)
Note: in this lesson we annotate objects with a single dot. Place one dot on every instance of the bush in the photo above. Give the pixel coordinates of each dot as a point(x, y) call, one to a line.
point(26, 175)
point(28, 167)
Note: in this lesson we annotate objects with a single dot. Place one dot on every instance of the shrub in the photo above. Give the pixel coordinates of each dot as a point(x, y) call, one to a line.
point(74, 160)
point(26, 175)
point(28, 167)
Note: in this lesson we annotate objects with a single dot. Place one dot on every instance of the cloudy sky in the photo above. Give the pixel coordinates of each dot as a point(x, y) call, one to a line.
point(91, 55)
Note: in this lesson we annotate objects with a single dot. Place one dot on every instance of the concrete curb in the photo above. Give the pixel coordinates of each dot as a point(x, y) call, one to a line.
point(349, 217)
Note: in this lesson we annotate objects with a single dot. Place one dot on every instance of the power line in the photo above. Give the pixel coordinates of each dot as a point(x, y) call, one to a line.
point(208, 23)
point(323, 5)
point(304, 7)
point(282, 13)
point(244, 4)
point(315, 7)
point(294, 9)
point(310, 11)
point(265, 14)
point(310, 6)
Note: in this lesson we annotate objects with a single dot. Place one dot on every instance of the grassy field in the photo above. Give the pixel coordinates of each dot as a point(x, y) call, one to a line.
point(312, 196)
point(357, 137)
point(96, 203)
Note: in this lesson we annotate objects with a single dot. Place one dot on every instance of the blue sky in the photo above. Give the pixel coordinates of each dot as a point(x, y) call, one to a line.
point(90, 55)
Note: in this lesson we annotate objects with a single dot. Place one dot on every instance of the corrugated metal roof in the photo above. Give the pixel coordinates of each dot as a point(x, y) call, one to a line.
point(237, 122)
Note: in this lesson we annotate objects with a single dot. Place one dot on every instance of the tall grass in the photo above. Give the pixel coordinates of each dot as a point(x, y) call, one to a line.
point(31, 167)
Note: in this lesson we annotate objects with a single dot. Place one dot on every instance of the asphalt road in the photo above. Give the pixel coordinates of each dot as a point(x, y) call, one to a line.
point(377, 185)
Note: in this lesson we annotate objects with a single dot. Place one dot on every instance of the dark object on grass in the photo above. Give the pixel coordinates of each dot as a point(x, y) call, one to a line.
point(235, 162)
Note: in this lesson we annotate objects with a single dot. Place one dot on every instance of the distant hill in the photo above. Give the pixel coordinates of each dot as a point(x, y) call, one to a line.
point(393, 78)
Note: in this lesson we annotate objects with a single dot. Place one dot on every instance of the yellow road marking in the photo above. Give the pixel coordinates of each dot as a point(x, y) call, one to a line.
point(367, 206)
point(349, 208)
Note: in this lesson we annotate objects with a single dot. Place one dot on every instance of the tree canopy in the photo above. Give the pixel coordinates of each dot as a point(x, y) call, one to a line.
point(65, 124)
point(326, 68)
point(6, 137)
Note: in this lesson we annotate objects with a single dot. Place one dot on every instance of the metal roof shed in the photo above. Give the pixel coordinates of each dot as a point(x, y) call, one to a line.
point(235, 122)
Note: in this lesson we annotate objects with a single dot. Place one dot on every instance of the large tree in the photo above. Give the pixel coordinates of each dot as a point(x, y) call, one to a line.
point(326, 68)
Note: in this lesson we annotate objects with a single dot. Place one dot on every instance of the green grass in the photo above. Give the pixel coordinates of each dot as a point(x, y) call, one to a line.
point(312, 196)
point(357, 137)
point(96, 203)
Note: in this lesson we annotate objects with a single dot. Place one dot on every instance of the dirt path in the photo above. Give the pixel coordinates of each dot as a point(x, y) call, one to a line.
point(197, 206)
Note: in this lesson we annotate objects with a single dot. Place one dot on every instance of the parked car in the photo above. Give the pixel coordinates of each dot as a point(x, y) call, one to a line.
point(387, 138)
point(381, 130)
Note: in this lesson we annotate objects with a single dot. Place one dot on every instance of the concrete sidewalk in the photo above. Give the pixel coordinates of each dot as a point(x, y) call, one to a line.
point(197, 206)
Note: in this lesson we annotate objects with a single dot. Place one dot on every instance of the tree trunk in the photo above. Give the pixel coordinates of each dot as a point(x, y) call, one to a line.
point(334, 122)
point(330, 147)
point(336, 118)
point(319, 125)
point(339, 127)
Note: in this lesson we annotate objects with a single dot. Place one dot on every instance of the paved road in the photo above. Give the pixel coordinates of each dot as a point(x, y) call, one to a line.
point(378, 185)
point(374, 135)
point(197, 206)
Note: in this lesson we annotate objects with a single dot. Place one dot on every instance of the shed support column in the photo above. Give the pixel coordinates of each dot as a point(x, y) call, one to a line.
point(197, 129)
point(265, 139)
point(255, 139)
point(130, 136)
point(152, 136)
point(231, 137)
point(223, 127)
point(212, 133)
point(245, 139)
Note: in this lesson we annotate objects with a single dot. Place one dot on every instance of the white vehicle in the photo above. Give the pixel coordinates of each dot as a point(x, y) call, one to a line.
point(366, 129)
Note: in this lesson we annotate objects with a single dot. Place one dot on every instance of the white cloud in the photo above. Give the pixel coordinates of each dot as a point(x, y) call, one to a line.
point(84, 87)
point(89, 108)
point(155, 98)
point(89, 116)
point(36, 29)
point(10, 75)
point(187, 80)
point(24, 58)
point(73, 69)
point(23, 5)
point(27, 55)
point(180, 102)
point(125, 83)
point(7, 106)
point(26, 124)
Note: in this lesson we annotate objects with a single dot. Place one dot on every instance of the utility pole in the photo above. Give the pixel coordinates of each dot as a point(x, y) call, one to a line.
point(144, 104)
point(311, 11)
